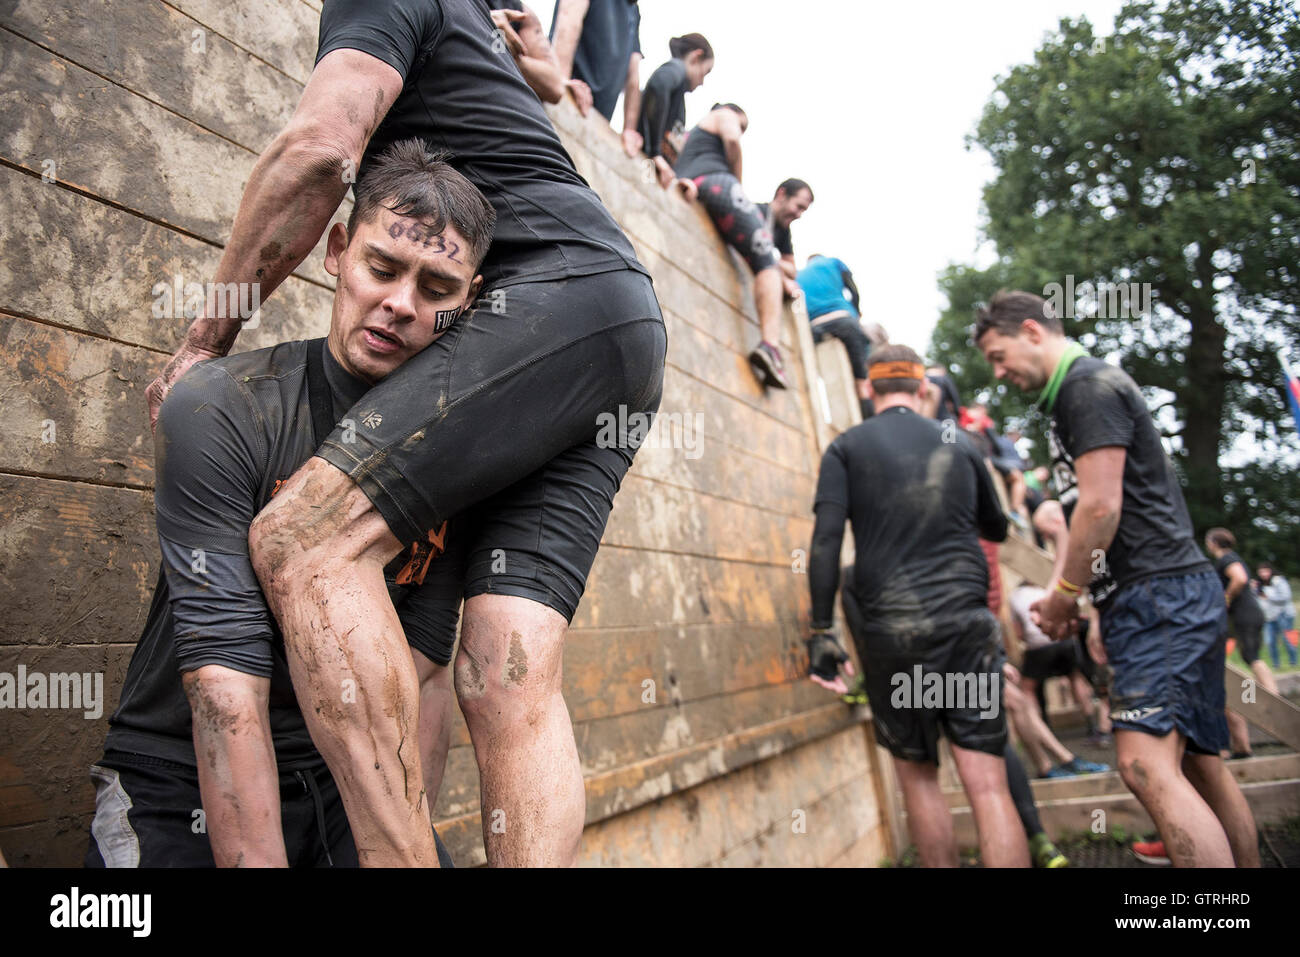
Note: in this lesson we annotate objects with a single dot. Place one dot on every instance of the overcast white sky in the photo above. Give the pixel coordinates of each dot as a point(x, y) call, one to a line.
point(870, 103)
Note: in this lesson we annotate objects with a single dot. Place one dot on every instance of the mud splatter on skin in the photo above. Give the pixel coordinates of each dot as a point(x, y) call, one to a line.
point(1139, 775)
point(471, 683)
point(517, 663)
point(1181, 847)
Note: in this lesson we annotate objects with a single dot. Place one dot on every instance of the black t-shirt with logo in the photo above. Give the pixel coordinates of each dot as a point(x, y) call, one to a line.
point(919, 498)
point(229, 433)
point(780, 234)
point(1099, 406)
point(463, 92)
point(1245, 608)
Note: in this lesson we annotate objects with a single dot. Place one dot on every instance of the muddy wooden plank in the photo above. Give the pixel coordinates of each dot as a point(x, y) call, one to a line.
point(666, 518)
point(155, 50)
point(77, 562)
point(697, 353)
point(1273, 713)
point(731, 473)
point(66, 119)
point(51, 747)
point(281, 33)
point(114, 274)
point(629, 588)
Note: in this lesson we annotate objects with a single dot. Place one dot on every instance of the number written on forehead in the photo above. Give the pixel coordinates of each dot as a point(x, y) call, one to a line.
point(417, 233)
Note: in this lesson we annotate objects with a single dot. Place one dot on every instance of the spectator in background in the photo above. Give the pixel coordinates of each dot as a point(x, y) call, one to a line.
point(825, 281)
point(1004, 457)
point(710, 167)
point(521, 31)
point(1279, 611)
point(945, 403)
point(598, 43)
point(663, 102)
point(1247, 618)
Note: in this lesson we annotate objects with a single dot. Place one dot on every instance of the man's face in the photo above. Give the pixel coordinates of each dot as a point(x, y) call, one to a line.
point(1019, 359)
point(786, 209)
point(396, 285)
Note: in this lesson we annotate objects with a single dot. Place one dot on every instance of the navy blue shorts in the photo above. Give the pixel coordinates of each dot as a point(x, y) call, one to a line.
point(1165, 638)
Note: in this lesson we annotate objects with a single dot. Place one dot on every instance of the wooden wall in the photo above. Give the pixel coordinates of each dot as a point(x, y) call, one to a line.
point(129, 129)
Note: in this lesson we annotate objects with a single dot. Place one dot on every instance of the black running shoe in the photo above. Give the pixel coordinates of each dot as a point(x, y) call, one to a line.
point(766, 362)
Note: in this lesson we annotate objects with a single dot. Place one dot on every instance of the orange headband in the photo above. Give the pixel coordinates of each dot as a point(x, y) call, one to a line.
point(896, 370)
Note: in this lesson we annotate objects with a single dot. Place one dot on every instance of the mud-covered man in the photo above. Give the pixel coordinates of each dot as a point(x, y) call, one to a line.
point(208, 758)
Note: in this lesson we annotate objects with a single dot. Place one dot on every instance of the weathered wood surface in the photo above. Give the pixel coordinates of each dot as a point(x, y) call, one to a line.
point(152, 129)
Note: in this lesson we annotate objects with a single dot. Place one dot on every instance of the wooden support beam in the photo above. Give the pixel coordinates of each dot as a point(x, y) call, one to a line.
point(1273, 713)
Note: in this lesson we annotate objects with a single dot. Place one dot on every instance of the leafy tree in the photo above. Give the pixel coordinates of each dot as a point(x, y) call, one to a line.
point(1166, 155)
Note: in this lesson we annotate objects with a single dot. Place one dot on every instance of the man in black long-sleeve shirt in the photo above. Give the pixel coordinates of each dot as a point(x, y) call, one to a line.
point(919, 498)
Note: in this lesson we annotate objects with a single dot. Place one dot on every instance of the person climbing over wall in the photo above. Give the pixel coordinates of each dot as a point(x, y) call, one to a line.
point(568, 331)
point(598, 44)
point(825, 281)
point(663, 102)
point(710, 169)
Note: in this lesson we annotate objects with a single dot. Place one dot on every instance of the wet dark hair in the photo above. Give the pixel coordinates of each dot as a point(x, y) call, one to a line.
point(1007, 310)
point(793, 187)
point(680, 46)
point(410, 179)
point(1222, 538)
point(728, 106)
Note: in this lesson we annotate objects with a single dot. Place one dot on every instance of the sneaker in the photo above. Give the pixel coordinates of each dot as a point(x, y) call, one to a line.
point(1045, 853)
point(1061, 771)
point(766, 362)
point(1080, 766)
point(1150, 852)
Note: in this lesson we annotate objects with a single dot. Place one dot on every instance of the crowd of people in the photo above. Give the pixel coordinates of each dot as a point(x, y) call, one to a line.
point(357, 535)
point(1135, 618)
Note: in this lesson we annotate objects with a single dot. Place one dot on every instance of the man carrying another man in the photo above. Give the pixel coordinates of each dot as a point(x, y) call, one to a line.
point(231, 433)
point(916, 606)
point(497, 424)
point(1131, 542)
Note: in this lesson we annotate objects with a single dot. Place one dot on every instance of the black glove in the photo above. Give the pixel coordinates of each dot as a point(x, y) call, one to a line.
point(825, 655)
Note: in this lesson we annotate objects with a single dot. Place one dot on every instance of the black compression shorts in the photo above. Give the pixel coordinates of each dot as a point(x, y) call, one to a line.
point(503, 423)
point(963, 663)
point(737, 219)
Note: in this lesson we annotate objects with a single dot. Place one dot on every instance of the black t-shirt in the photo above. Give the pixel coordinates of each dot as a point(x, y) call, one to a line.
point(663, 106)
point(918, 506)
point(464, 93)
point(611, 33)
point(780, 234)
point(215, 472)
point(703, 155)
point(1245, 607)
point(1098, 406)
